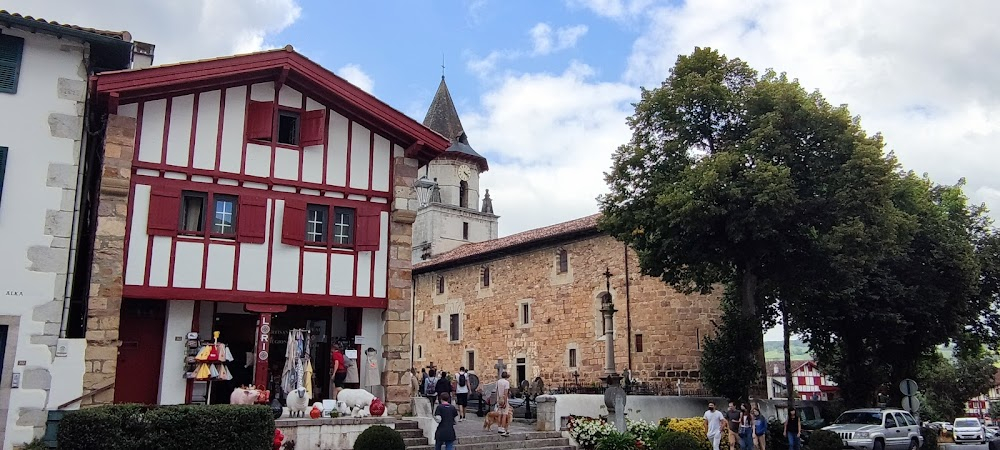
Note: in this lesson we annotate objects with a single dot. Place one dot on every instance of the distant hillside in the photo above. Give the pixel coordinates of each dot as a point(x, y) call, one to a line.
point(775, 350)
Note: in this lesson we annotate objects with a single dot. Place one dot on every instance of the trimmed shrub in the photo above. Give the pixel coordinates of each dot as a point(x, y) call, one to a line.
point(776, 439)
point(824, 440)
point(617, 441)
point(178, 427)
point(676, 440)
point(379, 437)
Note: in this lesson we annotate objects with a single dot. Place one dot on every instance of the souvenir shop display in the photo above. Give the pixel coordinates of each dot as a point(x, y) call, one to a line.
point(210, 363)
point(373, 376)
point(298, 371)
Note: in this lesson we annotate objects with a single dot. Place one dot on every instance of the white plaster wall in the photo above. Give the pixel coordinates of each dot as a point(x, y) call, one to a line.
point(70, 368)
point(173, 386)
point(360, 155)
point(40, 178)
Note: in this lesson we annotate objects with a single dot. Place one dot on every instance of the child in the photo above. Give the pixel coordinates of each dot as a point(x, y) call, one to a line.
point(445, 415)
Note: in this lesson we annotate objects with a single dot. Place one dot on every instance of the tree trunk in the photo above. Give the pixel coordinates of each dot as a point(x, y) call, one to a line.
point(787, 335)
point(748, 305)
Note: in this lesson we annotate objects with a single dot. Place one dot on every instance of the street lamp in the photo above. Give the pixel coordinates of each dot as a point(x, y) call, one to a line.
point(424, 187)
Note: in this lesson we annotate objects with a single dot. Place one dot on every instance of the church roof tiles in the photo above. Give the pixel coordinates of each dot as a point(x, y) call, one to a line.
point(515, 243)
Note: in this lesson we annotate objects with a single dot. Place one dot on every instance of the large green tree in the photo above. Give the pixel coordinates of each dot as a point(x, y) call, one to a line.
point(732, 177)
point(947, 385)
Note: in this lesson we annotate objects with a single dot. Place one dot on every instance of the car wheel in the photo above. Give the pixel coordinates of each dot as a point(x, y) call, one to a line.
point(878, 445)
point(914, 445)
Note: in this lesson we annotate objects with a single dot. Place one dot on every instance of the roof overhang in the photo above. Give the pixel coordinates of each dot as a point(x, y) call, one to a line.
point(116, 52)
point(284, 66)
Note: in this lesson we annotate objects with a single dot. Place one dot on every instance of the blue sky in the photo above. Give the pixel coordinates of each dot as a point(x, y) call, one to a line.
point(544, 87)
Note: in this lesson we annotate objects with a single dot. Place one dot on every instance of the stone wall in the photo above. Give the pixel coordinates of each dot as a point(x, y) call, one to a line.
point(563, 310)
point(104, 308)
point(399, 314)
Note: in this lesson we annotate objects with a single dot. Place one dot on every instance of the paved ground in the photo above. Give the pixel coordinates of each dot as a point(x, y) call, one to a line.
point(473, 426)
point(964, 446)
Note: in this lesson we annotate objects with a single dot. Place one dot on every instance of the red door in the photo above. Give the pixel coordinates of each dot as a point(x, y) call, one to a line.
point(141, 351)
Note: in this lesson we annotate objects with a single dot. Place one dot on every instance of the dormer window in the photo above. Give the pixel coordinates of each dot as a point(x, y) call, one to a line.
point(294, 127)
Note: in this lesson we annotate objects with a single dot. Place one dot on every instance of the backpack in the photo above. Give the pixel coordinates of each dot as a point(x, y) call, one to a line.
point(429, 387)
point(461, 380)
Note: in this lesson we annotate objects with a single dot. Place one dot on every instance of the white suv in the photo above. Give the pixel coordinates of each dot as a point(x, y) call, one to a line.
point(877, 429)
point(968, 429)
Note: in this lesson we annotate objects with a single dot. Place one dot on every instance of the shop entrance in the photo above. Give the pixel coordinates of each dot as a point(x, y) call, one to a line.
point(236, 331)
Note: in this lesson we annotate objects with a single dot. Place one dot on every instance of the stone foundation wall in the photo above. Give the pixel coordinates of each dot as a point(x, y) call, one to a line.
point(564, 314)
point(104, 308)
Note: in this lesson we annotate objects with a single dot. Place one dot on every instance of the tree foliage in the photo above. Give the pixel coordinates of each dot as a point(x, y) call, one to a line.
point(737, 178)
point(724, 371)
point(947, 385)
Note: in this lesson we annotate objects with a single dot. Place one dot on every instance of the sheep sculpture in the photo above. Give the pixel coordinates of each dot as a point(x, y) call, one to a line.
point(298, 402)
point(354, 402)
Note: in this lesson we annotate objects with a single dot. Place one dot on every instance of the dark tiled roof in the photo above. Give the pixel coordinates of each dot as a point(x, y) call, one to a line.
point(122, 35)
point(442, 115)
point(526, 240)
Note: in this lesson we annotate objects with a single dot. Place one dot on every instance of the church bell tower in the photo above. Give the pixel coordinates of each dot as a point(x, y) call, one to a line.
point(454, 216)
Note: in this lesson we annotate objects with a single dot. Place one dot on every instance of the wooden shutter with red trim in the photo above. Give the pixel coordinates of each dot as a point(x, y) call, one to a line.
point(366, 239)
point(164, 210)
point(313, 127)
point(252, 221)
point(260, 120)
point(293, 223)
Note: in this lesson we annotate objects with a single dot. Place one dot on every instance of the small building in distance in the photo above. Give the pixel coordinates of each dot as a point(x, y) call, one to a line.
point(808, 381)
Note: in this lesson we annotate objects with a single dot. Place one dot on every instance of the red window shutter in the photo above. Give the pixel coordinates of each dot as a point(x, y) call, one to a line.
point(260, 120)
point(368, 230)
point(293, 223)
point(313, 127)
point(252, 220)
point(164, 210)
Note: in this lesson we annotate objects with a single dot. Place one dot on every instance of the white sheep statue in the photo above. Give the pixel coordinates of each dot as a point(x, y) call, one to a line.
point(354, 402)
point(298, 402)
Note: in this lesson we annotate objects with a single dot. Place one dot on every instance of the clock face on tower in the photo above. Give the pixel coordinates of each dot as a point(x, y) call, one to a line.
point(464, 172)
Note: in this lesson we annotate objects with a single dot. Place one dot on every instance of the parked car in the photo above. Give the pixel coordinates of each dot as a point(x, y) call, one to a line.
point(968, 429)
point(877, 429)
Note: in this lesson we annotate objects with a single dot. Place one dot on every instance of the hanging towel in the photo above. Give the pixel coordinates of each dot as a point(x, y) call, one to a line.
point(308, 378)
point(352, 371)
point(203, 353)
point(288, 372)
point(203, 372)
point(372, 375)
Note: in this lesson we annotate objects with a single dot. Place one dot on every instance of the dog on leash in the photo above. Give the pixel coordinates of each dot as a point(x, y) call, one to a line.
point(493, 418)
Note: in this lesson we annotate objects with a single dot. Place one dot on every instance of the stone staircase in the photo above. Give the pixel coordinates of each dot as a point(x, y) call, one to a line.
point(493, 441)
point(413, 436)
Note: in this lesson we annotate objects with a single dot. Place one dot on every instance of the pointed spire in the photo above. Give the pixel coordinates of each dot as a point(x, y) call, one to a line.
point(487, 203)
point(443, 117)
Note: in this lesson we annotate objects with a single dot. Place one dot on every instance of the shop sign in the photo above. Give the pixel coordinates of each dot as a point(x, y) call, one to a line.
point(264, 333)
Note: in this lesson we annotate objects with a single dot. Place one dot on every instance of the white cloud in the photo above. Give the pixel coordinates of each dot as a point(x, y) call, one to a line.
point(357, 77)
point(549, 139)
point(546, 41)
point(915, 71)
point(615, 9)
point(181, 29)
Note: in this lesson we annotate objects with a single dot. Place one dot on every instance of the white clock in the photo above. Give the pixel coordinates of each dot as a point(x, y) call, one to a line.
point(464, 172)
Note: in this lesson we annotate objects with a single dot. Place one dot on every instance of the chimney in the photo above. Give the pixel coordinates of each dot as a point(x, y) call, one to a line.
point(142, 55)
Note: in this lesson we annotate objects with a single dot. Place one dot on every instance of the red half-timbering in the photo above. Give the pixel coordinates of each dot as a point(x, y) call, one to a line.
point(260, 179)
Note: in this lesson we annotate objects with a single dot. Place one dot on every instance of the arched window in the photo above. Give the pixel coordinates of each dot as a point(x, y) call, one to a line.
point(463, 194)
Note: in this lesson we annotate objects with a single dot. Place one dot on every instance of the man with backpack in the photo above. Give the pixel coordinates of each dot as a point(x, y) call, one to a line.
point(430, 386)
point(462, 392)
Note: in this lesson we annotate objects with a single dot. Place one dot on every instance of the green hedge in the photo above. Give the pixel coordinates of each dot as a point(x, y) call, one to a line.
point(180, 427)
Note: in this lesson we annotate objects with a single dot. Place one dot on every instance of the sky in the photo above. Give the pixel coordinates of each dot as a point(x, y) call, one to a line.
point(544, 87)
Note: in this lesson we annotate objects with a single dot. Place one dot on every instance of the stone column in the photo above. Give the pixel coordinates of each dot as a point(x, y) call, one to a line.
point(399, 314)
point(104, 307)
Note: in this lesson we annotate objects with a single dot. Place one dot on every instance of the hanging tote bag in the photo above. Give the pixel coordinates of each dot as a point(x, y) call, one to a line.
point(203, 353)
point(203, 372)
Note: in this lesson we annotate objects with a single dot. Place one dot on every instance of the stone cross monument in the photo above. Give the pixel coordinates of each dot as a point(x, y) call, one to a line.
point(614, 395)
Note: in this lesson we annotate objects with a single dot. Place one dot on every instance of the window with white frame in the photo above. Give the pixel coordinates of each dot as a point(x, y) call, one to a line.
point(343, 226)
point(316, 217)
point(224, 222)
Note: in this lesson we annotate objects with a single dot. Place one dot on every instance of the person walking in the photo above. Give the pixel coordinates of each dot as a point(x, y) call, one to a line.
point(430, 385)
point(423, 380)
point(793, 430)
point(746, 427)
point(462, 393)
point(503, 403)
point(445, 415)
point(759, 429)
point(443, 386)
point(733, 420)
point(714, 421)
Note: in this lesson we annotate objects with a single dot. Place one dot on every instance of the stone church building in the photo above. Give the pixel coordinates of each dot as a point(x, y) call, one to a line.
point(532, 299)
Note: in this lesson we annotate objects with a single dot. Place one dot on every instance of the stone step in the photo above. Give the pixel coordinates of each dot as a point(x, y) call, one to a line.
point(407, 425)
point(496, 437)
point(508, 444)
point(410, 433)
point(415, 442)
point(522, 445)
